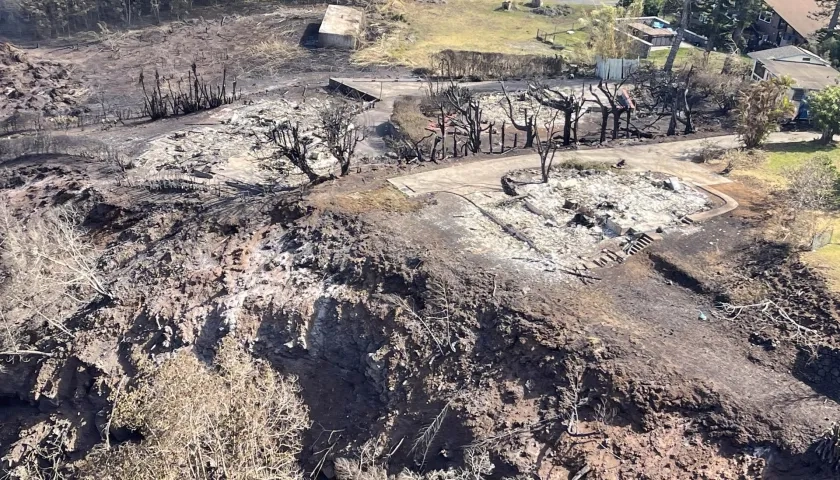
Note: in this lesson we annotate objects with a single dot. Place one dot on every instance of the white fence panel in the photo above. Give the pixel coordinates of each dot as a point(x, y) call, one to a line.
point(615, 68)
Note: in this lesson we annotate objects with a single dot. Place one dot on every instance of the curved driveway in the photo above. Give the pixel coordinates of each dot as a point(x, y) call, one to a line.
point(672, 158)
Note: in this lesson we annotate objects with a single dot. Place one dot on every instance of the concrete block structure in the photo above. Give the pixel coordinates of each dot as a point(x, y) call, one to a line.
point(341, 28)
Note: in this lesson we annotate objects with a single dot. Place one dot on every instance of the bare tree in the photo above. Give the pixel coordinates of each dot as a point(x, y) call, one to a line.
point(680, 88)
point(548, 149)
point(617, 103)
point(294, 146)
point(570, 104)
point(675, 95)
point(529, 116)
point(468, 118)
point(342, 133)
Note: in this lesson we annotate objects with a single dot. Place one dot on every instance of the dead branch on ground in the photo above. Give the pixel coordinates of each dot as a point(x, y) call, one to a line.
point(427, 435)
point(777, 316)
point(403, 306)
point(571, 397)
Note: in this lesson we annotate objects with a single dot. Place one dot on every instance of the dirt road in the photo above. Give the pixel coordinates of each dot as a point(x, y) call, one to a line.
point(673, 158)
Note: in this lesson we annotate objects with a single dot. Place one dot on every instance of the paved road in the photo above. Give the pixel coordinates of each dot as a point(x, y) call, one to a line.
point(673, 158)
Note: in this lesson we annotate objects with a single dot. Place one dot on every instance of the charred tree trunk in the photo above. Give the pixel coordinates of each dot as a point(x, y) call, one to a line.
point(616, 123)
point(605, 118)
point(567, 127)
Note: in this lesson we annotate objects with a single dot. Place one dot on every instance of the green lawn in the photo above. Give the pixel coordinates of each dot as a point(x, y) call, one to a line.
point(827, 261)
point(685, 56)
point(781, 156)
point(477, 25)
point(786, 155)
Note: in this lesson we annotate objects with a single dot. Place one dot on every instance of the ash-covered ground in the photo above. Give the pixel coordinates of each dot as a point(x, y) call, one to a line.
point(578, 213)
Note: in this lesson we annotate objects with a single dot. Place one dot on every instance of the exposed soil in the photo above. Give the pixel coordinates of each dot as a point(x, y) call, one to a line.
point(390, 317)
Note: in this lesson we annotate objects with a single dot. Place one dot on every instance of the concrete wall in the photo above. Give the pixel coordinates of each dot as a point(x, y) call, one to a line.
point(330, 40)
point(341, 27)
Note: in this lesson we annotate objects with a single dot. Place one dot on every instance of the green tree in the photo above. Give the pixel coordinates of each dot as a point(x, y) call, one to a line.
point(761, 107)
point(651, 8)
point(717, 24)
point(825, 111)
point(745, 14)
point(829, 47)
point(605, 40)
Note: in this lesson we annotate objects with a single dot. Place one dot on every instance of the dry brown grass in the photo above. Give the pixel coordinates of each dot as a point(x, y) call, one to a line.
point(271, 55)
point(386, 198)
point(409, 119)
point(236, 419)
point(47, 270)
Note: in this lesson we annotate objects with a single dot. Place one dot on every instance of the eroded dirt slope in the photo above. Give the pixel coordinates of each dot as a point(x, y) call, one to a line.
point(389, 325)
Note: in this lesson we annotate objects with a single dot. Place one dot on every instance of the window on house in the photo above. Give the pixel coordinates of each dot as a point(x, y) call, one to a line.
point(759, 70)
point(798, 94)
point(806, 59)
point(766, 16)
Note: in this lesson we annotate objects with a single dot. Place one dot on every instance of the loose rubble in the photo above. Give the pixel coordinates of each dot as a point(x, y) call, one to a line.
point(233, 145)
point(577, 213)
point(44, 87)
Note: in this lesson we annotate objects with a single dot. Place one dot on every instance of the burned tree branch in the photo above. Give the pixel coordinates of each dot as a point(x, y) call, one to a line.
point(342, 134)
point(529, 125)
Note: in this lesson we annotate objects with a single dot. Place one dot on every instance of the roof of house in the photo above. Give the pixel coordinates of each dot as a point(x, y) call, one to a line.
point(799, 15)
point(789, 53)
point(341, 20)
point(653, 32)
point(813, 74)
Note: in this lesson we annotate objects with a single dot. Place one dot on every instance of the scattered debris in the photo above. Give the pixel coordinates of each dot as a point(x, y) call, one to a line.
point(571, 216)
point(39, 87)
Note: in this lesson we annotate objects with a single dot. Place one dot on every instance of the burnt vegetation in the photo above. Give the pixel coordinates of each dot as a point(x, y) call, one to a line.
point(190, 95)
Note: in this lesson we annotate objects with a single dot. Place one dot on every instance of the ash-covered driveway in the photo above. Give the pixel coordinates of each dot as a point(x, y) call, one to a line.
point(673, 158)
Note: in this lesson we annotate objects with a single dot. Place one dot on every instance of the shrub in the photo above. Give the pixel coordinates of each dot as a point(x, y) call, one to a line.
point(813, 184)
point(481, 65)
point(48, 269)
point(825, 109)
point(761, 107)
point(236, 420)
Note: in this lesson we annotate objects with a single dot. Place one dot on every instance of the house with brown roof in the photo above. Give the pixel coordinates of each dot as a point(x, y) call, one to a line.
point(786, 22)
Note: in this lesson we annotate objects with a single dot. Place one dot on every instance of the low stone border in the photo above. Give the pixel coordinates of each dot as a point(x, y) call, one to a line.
point(728, 205)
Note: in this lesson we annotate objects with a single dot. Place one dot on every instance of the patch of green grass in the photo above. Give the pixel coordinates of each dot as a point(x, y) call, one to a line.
point(687, 56)
point(827, 261)
point(476, 25)
point(785, 155)
point(781, 156)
